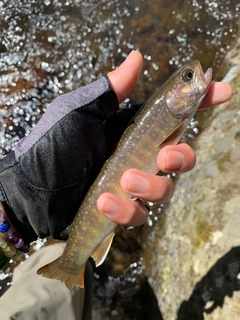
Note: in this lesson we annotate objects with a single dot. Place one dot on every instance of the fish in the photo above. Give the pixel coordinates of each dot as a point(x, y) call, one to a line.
point(161, 121)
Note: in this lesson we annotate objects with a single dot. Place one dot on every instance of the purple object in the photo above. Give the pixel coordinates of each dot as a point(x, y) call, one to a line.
point(19, 244)
point(1, 215)
point(14, 238)
point(25, 248)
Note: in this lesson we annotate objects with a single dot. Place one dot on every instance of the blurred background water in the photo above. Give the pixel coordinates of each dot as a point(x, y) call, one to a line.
point(51, 47)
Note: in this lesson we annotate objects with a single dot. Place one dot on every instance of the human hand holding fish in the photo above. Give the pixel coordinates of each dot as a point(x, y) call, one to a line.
point(162, 121)
point(172, 158)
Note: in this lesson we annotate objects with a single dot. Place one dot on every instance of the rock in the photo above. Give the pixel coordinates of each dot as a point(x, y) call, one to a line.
point(193, 257)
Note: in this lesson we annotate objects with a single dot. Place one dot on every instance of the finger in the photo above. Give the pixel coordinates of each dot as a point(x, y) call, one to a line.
point(146, 186)
point(219, 92)
point(122, 211)
point(176, 158)
point(124, 79)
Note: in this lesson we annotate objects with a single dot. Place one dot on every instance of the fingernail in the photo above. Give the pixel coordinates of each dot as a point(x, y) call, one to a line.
point(137, 183)
point(130, 54)
point(108, 206)
point(175, 160)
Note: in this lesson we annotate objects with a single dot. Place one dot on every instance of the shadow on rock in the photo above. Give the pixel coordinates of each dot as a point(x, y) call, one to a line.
point(221, 281)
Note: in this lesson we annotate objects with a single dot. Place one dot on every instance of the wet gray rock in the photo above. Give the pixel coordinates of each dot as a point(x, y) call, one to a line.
point(193, 257)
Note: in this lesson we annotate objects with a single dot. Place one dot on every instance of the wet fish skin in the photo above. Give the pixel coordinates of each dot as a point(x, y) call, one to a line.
point(162, 120)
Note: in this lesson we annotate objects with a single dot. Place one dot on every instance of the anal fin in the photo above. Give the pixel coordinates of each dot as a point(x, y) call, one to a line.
point(100, 253)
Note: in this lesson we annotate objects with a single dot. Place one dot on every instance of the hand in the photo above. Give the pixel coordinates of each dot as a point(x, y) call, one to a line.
point(177, 158)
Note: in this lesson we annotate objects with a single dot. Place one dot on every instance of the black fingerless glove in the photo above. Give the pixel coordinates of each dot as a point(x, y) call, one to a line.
point(44, 180)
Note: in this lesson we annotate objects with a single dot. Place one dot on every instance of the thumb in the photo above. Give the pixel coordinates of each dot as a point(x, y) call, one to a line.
point(124, 79)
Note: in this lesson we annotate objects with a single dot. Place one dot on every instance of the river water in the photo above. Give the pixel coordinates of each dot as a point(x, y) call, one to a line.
point(51, 47)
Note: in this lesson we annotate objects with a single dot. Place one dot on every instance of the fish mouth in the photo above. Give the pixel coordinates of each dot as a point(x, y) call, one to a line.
point(208, 76)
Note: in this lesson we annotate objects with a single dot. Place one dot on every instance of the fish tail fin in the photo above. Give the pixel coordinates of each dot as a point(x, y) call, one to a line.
point(53, 271)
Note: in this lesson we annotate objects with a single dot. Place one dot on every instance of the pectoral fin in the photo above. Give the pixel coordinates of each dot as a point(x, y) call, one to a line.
point(102, 249)
point(175, 135)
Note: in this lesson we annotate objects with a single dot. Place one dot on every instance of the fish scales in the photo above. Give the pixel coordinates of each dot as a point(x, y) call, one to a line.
point(162, 120)
point(130, 153)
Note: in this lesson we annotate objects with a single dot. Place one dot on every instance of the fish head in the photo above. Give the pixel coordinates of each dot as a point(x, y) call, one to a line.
point(186, 89)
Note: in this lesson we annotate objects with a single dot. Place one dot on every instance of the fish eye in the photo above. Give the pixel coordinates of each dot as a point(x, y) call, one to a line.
point(187, 74)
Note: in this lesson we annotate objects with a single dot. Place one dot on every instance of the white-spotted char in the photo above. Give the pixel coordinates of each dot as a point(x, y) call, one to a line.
point(162, 120)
